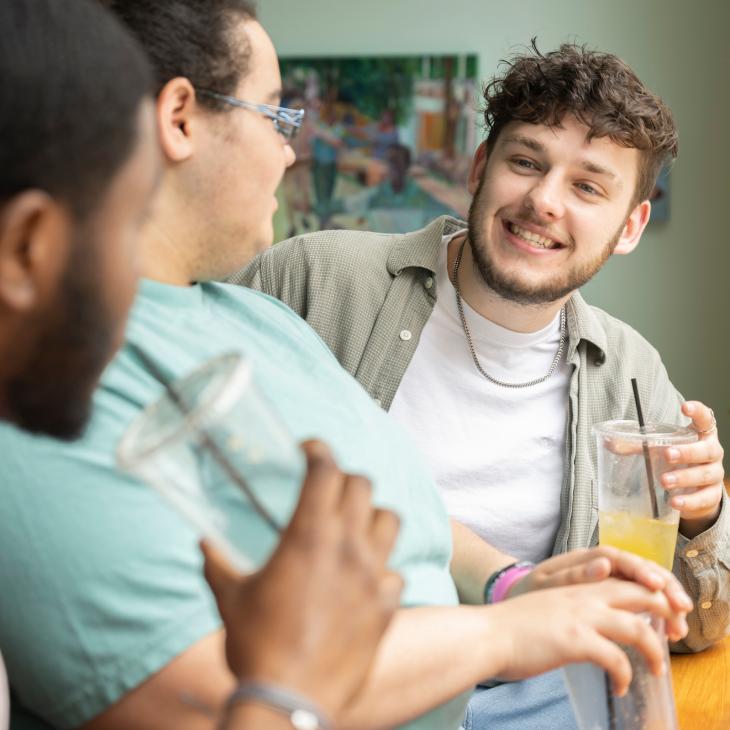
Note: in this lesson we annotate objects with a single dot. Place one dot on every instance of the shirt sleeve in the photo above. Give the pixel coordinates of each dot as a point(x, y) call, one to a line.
point(281, 272)
point(250, 276)
point(703, 563)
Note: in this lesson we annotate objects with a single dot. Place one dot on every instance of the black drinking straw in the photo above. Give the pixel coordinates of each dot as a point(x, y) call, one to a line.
point(645, 447)
point(210, 445)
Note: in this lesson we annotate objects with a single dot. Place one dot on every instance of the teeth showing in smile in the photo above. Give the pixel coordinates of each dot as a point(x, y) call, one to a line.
point(531, 237)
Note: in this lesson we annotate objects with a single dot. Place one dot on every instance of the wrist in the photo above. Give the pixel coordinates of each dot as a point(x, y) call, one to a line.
point(498, 585)
point(690, 528)
point(253, 716)
point(299, 711)
point(497, 639)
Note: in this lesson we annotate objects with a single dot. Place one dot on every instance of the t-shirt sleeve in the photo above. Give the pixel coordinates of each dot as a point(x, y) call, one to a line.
point(101, 581)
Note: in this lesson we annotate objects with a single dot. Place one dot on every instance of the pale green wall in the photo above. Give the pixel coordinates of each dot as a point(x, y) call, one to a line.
point(674, 288)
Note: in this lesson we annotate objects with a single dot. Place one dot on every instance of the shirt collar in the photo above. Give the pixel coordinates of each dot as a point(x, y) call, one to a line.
point(421, 248)
point(584, 325)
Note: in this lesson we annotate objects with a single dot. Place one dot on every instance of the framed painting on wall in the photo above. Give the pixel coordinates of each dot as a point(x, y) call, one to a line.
point(385, 144)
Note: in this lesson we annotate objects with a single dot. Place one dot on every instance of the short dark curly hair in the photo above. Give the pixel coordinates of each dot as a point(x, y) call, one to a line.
point(598, 89)
point(194, 39)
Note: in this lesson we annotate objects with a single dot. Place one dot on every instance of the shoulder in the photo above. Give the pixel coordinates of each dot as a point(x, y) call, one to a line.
point(618, 341)
point(259, 308)
point(623, 341)
point(327, 261)
point(362, 255)
point(243, 300)
point(328, 268)
point(334, 250)
point(628, 354)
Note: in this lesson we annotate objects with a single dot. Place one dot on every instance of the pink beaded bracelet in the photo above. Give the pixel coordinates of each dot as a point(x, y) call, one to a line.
point(505, 581)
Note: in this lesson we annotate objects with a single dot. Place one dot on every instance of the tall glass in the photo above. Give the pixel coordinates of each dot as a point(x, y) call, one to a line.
point(214, 448)
point(630, 466)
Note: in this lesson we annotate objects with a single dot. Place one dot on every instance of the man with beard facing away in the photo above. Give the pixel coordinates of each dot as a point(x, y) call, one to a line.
point(79, 166)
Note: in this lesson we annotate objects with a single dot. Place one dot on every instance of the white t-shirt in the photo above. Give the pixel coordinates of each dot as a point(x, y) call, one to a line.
point(497, 453)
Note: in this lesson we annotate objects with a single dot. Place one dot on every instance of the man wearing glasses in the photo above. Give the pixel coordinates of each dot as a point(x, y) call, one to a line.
point(130, 636)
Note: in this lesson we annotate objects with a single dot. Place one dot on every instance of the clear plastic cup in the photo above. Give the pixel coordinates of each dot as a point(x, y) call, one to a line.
point(216, 450)
point(648, 704)
point(630, 466)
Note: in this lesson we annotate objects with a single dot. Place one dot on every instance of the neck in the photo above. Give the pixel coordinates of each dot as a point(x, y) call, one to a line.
point(16, 344)
point(490, 305)
point(164, 244)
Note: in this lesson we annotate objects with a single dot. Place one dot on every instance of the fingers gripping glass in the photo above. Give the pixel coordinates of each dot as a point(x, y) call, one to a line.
point(286, 121)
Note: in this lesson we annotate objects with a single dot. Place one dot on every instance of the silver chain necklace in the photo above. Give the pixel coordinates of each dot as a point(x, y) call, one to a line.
point(469, 341)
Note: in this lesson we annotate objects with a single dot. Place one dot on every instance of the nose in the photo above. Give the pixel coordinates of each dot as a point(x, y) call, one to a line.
point(545, 198)
point(289, 155)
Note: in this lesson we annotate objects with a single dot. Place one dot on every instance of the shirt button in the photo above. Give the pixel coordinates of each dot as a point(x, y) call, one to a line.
point(706, 604)
point(429, 282)
point(692, 553)
point(378, 402)
point(405, 335)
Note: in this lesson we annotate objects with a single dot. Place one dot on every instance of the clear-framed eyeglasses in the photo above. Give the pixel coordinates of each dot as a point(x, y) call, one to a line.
point(286, 121)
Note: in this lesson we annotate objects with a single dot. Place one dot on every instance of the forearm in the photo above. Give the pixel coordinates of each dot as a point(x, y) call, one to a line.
point(427, 657)
point(474, 560)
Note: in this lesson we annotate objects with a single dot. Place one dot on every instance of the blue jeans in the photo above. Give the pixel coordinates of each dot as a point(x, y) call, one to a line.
point(540, 703)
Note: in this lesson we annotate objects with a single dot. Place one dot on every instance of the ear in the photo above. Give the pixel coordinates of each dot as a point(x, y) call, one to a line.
point(36, 234)
point(633, 228)
point(476, 171)
point(176, 112)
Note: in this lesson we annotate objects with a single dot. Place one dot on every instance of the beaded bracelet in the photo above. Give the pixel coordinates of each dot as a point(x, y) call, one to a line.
point(301, 712)
point(503, 579)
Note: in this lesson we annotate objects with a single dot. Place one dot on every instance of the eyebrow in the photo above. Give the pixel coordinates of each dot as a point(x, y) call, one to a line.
point(536, 146)
point(528, 142)
point(598, 170)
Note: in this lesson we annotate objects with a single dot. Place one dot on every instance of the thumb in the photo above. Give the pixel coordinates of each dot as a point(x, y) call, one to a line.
point(221, 576)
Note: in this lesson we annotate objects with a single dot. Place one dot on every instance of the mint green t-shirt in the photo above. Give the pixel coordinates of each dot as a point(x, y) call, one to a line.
point(100, 580)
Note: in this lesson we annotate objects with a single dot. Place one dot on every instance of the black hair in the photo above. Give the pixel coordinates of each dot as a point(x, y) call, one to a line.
point(194, 39)
point(71, 83)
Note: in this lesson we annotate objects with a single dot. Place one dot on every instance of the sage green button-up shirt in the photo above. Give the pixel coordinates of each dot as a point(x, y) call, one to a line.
point(361, 291)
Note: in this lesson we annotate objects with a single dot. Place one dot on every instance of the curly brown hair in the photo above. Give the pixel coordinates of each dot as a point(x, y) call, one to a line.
point(598, 89)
